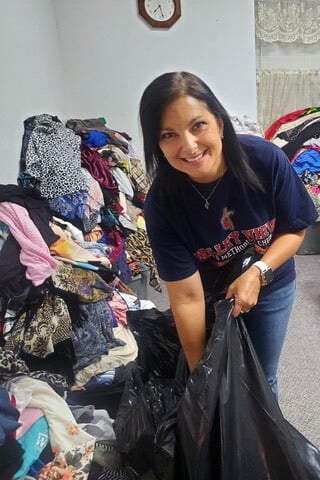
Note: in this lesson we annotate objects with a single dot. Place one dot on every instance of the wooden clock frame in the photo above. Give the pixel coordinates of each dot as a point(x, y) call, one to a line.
point(155, 23)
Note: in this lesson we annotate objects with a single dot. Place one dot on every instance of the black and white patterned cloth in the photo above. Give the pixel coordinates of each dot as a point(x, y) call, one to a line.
point(12, 366)
point(53, 158)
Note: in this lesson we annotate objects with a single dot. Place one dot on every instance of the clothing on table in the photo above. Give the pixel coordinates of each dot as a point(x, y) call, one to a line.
point(95, 336)
point(35, 254)
point(41, 328)
point(27, 418)
point(290, 118)
point(29, 124)
point(27, 215)
point(65, 436)
point(138, 247)
point(59, 323)
point(9, 416)
point(12, 366)
point(85, 284)
point(37, 206)
point(33, 443)
point(53, 157)
point(81, 127)
point(10, 458)
point(116, 357)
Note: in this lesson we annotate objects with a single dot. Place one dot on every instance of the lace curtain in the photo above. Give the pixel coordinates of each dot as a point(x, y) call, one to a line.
point(281, 92)
point(288, 20)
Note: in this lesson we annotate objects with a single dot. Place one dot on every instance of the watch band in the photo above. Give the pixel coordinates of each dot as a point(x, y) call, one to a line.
point(266, 272)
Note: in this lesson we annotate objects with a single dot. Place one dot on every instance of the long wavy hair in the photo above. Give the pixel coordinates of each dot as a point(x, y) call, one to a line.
point(161, 92)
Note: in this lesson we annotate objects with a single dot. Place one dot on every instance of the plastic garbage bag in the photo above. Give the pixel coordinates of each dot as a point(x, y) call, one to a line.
point(229, 425)
point(145, 424)
point(146, 419)
point(158, 343)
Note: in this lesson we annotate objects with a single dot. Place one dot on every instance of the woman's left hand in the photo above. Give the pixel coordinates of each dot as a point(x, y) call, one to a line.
point(245, 291)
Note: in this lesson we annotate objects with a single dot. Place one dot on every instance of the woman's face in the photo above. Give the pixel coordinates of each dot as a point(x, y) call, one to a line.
point(190, 139)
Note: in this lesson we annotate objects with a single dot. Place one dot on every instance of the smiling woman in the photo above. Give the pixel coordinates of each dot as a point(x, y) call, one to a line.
point(160, 13)
point(217, 199)
point(191, 139)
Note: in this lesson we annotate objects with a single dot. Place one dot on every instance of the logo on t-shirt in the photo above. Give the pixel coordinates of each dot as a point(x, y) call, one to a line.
point(236, 242)
point(226, 221)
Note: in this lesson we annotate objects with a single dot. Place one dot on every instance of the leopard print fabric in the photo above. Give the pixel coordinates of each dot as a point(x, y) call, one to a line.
point(53, 158)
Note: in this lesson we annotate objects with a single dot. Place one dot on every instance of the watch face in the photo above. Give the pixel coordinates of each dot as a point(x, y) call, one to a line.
point(267, 276)
point(160, 10)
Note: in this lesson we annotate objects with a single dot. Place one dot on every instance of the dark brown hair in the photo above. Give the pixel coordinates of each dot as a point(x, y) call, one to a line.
point(162, 91)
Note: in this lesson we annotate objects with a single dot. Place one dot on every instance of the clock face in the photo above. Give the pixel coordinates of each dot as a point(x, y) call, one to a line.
point(159, 10)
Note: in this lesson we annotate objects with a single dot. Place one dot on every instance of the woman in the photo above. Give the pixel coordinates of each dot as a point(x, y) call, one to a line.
point(216, 197)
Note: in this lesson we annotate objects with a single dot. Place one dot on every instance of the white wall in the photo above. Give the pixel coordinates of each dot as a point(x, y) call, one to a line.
point(104, 55)
point(31, 74)
point(110, 55)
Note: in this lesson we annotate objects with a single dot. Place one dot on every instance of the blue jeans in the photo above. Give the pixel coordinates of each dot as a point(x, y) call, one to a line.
point(267, 326)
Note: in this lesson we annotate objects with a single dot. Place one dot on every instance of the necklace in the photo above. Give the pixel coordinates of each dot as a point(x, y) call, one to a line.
point(206, 199)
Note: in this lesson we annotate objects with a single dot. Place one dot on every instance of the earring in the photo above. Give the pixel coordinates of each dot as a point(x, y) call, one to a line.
point(222, 137)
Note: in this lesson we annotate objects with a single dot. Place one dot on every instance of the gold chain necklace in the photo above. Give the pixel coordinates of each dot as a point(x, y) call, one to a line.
point(206, 199)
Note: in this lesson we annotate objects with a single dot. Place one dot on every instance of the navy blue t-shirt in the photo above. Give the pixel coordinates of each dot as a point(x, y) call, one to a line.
point(185, 236)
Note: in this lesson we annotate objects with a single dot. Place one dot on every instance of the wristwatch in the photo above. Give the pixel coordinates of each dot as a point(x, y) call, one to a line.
point(266, 273)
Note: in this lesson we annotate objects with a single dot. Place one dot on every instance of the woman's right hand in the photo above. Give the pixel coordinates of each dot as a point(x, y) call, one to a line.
point(188, 307)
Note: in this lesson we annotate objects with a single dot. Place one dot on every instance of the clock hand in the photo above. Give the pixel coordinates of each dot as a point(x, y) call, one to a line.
point(159, 7)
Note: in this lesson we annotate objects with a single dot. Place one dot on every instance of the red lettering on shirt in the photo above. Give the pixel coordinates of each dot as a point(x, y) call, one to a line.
point(260, 237)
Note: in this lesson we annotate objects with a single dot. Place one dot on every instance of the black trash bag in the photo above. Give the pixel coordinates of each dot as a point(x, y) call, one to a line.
point(158, 342)
point(229, 425)
point(146, 419)
point(155, 332)
point(145, 424)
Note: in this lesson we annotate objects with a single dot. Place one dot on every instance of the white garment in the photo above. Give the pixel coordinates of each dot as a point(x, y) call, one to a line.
point(100, 426)
point(123, 182)
point(64, 432)
point(76, 234)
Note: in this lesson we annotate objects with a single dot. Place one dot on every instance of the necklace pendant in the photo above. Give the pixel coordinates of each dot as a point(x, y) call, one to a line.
point(207, 204)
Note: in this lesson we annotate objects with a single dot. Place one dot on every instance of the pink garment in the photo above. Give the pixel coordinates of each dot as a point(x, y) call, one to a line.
point(35, 253)
point(315, 189)
point(119, 308)
point(28, 417)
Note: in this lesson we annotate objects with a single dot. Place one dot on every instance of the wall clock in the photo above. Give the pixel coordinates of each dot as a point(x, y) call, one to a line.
point(160, 13)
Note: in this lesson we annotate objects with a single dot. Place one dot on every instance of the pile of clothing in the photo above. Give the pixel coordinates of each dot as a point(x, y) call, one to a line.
point(72, 238)
point(298, 135)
